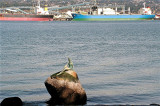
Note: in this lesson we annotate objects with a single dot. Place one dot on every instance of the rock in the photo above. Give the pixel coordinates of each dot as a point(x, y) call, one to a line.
point(12, 101)
point(65, 88)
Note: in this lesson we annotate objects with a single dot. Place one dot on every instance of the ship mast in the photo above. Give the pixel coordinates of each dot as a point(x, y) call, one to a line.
point(95, 2)
point(39, 4)
point(144, 4)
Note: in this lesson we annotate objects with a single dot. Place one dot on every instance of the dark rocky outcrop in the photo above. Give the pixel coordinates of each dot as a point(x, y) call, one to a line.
point(12, 101)
point(65, 88)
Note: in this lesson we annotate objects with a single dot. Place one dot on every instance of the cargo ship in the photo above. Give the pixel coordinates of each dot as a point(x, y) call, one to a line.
point(80, 17)
point(15, 15)
point(105, 14)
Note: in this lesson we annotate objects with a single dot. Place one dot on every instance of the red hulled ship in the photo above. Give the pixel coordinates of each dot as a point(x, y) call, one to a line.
point(41, 14)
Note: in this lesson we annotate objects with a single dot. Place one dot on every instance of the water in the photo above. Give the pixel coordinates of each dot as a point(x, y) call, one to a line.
point(117, 62)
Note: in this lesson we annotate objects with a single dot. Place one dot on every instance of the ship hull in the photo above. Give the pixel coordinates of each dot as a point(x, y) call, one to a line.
point(25, 17)
point(79, 17)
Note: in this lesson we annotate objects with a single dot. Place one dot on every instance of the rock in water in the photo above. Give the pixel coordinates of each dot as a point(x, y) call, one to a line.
point(12, 101)
point(65, 88)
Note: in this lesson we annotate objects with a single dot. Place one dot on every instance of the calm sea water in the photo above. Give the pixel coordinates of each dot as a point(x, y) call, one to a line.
point(117, 62)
